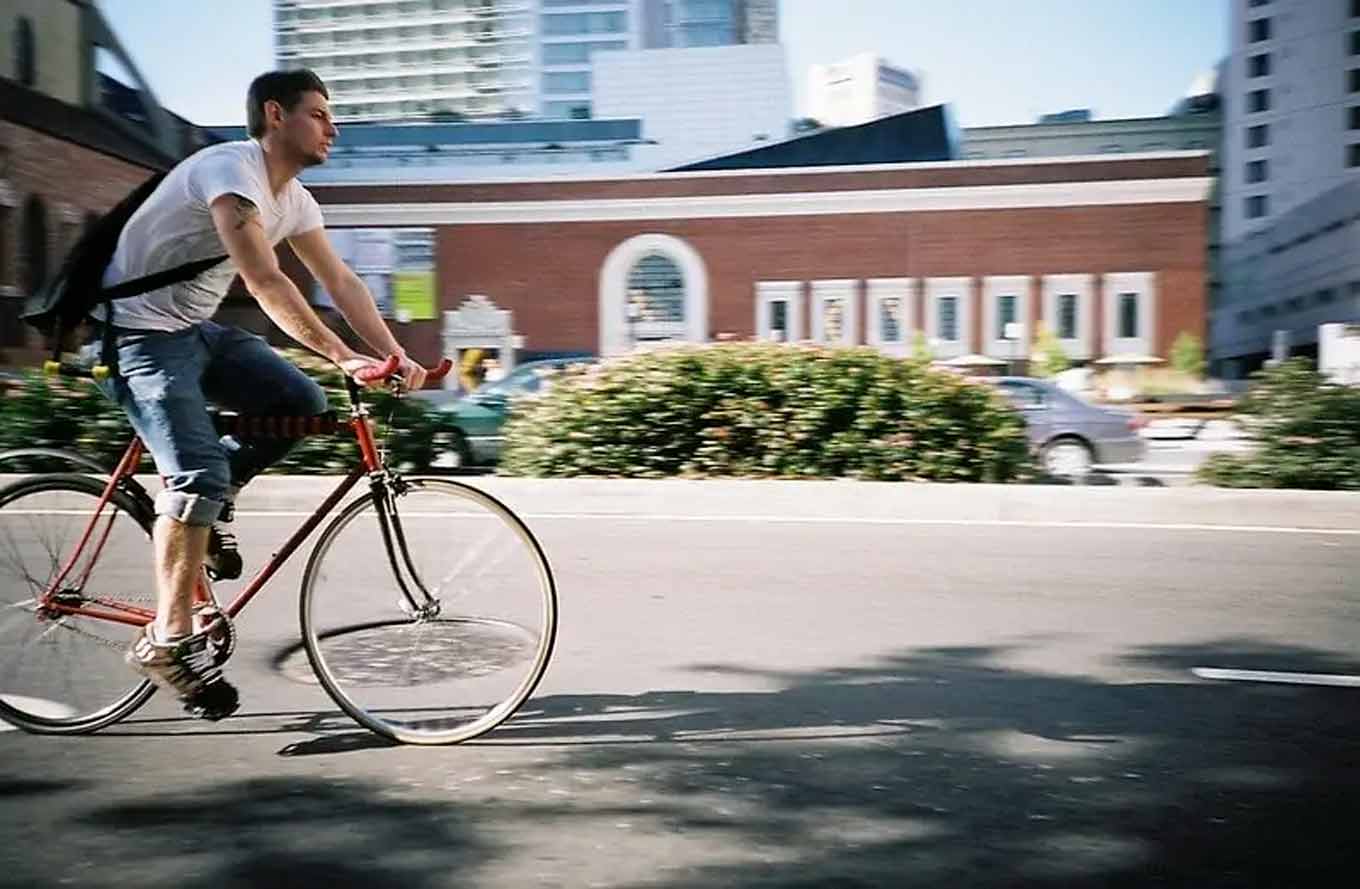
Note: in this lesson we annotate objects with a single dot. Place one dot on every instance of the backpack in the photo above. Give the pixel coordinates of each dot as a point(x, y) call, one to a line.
point(61, 306)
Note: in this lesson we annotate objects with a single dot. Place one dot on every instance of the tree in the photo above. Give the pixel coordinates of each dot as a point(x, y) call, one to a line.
point(920, 348)
point(1049, 357)
point(1187, 355)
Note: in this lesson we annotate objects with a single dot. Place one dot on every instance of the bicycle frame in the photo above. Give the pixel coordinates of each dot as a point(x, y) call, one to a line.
point(371, 464)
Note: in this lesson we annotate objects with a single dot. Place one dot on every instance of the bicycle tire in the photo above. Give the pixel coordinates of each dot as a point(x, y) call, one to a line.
point(493, 646)
point(22, 702)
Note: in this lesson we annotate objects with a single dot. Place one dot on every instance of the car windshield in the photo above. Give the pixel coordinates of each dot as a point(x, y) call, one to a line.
point(517, 382)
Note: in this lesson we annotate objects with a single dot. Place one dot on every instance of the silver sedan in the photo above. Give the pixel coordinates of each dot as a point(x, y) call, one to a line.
point(1071, 435)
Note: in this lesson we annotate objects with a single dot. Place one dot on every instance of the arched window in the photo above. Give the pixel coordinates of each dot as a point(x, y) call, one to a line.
point(25, 56)
point(656, 290)
point(35, 243)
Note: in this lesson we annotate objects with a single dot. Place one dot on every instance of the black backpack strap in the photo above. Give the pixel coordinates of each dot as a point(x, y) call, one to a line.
point(157, 280)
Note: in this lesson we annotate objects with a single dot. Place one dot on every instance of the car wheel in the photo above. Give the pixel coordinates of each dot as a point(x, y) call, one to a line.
point(453, 451)
point(1067, 457)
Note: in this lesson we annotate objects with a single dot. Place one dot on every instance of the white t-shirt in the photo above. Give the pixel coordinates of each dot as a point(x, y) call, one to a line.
point(175, 227)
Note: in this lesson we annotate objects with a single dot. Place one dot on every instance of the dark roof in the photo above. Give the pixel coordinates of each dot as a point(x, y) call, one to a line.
point(926, 134)
point(82, 126)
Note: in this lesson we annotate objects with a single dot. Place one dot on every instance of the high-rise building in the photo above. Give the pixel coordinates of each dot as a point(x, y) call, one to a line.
point(388, 59)
point(860, 89)
point(413, 59)
point(1290, 180)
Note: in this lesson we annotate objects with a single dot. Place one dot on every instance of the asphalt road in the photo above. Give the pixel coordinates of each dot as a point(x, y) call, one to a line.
point(740, 703)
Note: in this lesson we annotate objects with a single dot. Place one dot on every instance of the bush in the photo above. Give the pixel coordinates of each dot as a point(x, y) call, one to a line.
point(1049, 357)
point(74, 415)
point(766, 410)
point(1308, 434)
point(1187, 355)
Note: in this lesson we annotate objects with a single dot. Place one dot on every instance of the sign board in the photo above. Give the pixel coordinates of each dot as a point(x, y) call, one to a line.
point(396, 265)
point(1339, 353)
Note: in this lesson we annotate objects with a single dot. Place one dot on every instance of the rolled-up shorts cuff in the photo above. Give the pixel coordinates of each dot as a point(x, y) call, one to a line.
point(191, 509)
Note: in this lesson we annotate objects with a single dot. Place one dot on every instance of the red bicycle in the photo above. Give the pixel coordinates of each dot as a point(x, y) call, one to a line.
point(428, 609)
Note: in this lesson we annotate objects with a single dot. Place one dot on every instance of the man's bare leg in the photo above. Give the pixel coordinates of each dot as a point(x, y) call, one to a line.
point(180, 549)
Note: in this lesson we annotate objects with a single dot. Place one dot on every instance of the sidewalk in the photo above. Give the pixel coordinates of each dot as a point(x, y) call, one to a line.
point(869, 501)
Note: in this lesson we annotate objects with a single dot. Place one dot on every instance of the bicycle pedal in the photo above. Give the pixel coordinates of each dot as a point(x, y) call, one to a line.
point(216, 702)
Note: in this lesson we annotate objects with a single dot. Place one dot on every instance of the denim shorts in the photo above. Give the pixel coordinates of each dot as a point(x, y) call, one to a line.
point(164, 382)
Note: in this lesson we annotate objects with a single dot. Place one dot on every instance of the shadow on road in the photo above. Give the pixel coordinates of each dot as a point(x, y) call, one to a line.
point(934, 767)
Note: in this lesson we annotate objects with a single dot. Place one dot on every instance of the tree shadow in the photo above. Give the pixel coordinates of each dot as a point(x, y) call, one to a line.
point(290, 832)
point(990, 776)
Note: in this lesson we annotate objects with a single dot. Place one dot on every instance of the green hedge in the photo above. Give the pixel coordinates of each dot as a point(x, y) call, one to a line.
point(1307, 431)
point(766, 410)
point(72, 414)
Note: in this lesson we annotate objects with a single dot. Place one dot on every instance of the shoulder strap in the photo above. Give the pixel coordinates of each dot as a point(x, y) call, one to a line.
point(157, 280)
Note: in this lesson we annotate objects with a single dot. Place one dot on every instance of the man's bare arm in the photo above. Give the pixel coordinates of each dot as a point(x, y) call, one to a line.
point(238, 224)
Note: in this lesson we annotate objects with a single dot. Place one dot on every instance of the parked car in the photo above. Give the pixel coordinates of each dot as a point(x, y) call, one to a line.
point(1071, 435)
point(479, 415)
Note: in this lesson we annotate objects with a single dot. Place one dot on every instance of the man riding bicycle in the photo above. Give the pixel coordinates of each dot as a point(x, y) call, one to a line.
point(239, 199)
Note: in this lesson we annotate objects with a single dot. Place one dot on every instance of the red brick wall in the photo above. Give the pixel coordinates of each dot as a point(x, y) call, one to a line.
point(548, 273)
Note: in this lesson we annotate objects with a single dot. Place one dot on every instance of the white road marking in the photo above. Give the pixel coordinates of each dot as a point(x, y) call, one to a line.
point(810, 520)
point(1331, 679)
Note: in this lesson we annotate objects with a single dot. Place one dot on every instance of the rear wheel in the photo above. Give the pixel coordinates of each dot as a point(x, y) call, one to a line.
point(440, 644)
point(1067, 458)
point(64, 673)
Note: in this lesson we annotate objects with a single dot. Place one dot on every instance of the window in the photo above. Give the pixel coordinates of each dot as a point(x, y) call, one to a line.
point(1258, 30)
point(1353, 117)
point(1355, 43)
point(1355, 8)
point(566, 82)
point(25, 63)
point(1257, 205)
point(1259, 65)
point(1257, 101)
point(1257, 2)
point(656, 290)
point(567, 110)
point(947, 325)
point(562, 24)
point(890, 319)
point(1353, 155)
point(1067, 316)
point(1258, 136)
point(576, 53)
point(35, 243)
point(779, 320)
point(1257, 171)
point(1128, 316)
point(833, 320)
point(1353, 80)
point(1005, 314)
point(1023, 395)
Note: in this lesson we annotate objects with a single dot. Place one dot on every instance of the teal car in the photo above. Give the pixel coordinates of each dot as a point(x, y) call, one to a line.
point(479, 416)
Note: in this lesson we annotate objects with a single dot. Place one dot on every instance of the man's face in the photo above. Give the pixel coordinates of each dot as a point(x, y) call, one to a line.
point(308, 129)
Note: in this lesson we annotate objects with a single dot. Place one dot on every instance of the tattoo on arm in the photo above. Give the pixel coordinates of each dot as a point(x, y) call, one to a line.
point(246, 213)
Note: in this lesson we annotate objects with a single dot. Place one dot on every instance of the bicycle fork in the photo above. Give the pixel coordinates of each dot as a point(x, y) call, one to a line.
point(416, 600)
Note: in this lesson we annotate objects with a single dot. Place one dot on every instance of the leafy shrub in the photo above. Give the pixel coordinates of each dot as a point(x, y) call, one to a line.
point(36, 411)
point(1049, 357)
point(1187, 355)
point(766, 410)
point(1308, 434)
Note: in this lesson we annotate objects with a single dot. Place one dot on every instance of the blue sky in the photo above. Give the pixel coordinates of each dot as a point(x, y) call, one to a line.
point(996, 61)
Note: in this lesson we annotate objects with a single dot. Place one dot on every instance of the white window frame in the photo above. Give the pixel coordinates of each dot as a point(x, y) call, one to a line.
point(847, 291)
point(1144, 284)
point(790, 293)
point(877, 290)
point(936, 289)
point(612, 307)
point(993, 288)
point(1082, 348)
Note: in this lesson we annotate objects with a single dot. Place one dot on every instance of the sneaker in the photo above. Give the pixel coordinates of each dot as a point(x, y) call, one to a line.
point(187, 668)
point(223, 560)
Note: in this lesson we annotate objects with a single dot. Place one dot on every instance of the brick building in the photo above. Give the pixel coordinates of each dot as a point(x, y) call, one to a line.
point(1107, 252)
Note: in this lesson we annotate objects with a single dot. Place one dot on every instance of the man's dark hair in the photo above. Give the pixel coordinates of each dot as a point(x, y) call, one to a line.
point(284, 87)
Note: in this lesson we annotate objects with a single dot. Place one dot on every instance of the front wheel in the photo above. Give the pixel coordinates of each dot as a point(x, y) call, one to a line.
point(436, 629)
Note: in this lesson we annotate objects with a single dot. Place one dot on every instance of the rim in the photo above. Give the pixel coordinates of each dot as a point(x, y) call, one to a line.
point(1068, 458)
point(492, 716)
